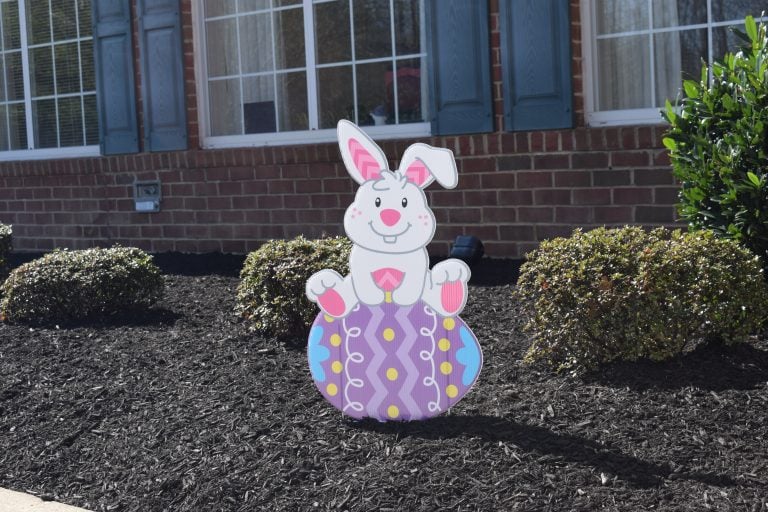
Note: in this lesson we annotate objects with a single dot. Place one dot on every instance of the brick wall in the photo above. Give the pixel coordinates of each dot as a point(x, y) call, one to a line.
point(515, 189)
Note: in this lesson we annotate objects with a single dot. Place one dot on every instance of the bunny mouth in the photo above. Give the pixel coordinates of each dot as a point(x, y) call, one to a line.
point(389, 239)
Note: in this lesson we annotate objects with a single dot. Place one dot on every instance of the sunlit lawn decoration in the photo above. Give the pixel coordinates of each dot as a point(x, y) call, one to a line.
point(388, 343)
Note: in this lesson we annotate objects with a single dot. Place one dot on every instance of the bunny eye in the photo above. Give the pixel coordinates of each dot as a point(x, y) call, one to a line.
point(405, 202)
point(377, 202)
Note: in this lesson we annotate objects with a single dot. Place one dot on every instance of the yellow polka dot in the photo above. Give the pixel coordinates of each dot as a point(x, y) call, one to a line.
point(444, 344)
point(328, 318)
point(451, 391)
point(392, 374)
point(449, 323)
point(446, 368)
point(388, 334)
point(393, 411)
point(335, 340)
point(331, 389)
point(336, 367)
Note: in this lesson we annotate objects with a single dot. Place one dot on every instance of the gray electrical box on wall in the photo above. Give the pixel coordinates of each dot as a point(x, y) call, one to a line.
point(146, 194)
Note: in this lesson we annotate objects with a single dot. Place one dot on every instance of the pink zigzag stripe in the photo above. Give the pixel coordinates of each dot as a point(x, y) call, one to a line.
point(363, 160)
point(388, 278)
point(417, 172)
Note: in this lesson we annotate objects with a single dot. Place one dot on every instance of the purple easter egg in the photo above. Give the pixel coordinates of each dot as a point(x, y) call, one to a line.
point(393, 363)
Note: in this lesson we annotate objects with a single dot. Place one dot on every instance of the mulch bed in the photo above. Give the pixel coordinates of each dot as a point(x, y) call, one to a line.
point(185, 410)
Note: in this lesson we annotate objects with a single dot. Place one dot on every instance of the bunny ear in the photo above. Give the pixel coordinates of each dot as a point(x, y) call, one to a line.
point(362, 157)
point(422, 164)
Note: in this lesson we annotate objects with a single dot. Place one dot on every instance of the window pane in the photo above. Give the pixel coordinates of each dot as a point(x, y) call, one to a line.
point(677, 56)
point(289, 38)
point(614, 16)
point(256, 43)
point(292, 101)
point(2, 77)
point(724, 40)
point(253, 5)
point(64, 19)
point(38, 22)
point(41, 70)
point(332, 39)
point(13, 76)
point(44, 114)
point(86, 56)
point(84, 17)
point(335, 95)
point(18, 126)
point(373, 82)
point(737, 10)
point(668, 13)
point(373, 37)
point(221, 46)
point(281, 3)
point(407, 27)
point(67, 68)
point(224, 107)
point(10, 20)
point(259, 114)
point(219, 8)
point(409, 87)
point(91, 120)
point(619, 89)
point(3, 128)
point(71, 122)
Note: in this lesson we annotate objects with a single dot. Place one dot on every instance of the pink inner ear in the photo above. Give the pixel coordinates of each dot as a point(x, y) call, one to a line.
point(364, 162)
point(417, 172)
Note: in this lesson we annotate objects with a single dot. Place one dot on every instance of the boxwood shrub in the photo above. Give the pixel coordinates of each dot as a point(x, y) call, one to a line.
point(271, 295)
point(70, 286)
point(5, 249)
point(624, 294)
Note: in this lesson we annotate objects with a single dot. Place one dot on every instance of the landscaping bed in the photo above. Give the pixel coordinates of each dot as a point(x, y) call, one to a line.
point(185, 410)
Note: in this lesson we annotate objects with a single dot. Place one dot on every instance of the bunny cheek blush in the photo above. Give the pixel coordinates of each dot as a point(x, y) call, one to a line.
point(388, 342)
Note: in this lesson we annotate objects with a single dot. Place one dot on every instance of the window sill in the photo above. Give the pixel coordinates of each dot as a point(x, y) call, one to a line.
point(403, 131)
point(50, 154)
point(641, 116)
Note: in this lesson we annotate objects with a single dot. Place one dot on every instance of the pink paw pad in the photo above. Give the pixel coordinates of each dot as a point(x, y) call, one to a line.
point(452, 296)
point(332, 303)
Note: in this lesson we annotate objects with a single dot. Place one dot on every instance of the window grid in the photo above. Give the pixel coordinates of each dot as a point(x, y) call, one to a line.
point(650, 31)
point(311, 66)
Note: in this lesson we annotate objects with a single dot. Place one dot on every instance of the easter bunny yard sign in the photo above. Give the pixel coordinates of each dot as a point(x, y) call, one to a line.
point(388, 342)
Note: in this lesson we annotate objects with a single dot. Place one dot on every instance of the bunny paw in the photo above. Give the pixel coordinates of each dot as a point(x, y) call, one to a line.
point(451, 277)
point(327, 288)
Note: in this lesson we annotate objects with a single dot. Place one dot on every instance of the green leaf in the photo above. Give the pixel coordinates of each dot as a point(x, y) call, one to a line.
point(753, 178)
point(691, 89)
point(669, 143)
point(751, 26)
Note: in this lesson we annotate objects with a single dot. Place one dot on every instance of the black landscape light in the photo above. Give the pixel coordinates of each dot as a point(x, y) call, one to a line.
point(468, 249)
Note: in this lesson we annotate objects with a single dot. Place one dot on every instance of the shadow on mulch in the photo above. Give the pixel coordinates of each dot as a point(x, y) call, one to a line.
point(710, 366)
point(636, 472)
point(154, 317)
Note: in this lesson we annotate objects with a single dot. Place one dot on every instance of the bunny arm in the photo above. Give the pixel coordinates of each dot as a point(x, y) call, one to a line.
point(445, 288)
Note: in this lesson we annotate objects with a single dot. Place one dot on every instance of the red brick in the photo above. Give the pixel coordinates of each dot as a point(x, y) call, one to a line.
point(552, 196)
point(551, 162)
point(516, 232)
point(591, 160)
point(632, 195)
point(591, 196)
point(515, 197)
point(630, 159)
point(666, 195)
point(574, 214)
point(534, 179)
point(573, 179)
point(514, 163)
point(653, 177)
point(477, 165)
point(480, 198)
point(547, 232)
point(613, 214)
point(498, 180)
point(535, 214)
point(655, 214)
point(499, 214)
point(612, 178)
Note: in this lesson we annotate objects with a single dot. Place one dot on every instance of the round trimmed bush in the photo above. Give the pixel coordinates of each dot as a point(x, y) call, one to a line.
point(271, 295)
point(624, 294)
point(5, 248)
point(69, 286)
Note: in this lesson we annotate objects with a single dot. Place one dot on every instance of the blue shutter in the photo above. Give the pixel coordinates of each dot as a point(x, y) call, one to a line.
point(536, 64)
point(459, 73)
point(115, 89)
point(162, 75)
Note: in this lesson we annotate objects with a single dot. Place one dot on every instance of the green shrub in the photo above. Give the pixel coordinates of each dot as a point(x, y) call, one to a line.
point(5, 249)
point(69, 286)
point(624, 294)
point(718, 144)
point(271, 295)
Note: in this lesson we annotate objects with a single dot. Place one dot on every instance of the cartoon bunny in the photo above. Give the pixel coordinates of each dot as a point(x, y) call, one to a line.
point(390, 225)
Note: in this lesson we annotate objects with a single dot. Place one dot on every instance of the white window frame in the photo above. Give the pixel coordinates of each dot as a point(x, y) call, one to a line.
point(311, 136)
point(640, 116)
point(42, 153)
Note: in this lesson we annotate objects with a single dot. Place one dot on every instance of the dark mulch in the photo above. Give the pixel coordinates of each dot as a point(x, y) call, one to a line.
point(185, 410)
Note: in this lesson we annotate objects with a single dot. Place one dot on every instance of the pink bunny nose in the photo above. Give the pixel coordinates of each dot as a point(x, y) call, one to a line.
point(390, 216)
